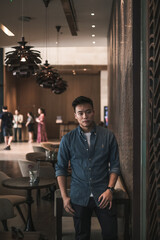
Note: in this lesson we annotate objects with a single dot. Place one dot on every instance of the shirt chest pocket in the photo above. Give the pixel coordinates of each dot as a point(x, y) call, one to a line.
point(101, 150)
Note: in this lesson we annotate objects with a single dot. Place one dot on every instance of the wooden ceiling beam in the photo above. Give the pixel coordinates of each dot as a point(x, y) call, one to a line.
point(70, 14)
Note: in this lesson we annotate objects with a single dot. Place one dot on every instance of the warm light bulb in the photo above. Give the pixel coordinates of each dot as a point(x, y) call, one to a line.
point(93, 26)
point(74, 72)
point(23, 59)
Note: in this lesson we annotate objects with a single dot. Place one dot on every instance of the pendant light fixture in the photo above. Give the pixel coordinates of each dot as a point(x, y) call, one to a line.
point(48, 76)
point(23, 61)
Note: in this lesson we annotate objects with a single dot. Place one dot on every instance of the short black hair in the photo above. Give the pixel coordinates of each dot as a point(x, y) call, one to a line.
point(81, 100)
point(4, 107)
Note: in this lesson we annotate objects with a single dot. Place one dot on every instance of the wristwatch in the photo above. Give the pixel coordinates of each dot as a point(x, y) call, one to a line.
point(111, 189)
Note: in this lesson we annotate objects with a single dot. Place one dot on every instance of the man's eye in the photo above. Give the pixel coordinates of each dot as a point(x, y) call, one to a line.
point(88, 112)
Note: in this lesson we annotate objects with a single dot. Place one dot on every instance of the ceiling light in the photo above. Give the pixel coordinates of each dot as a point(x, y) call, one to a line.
point(92, 14)
point(94, 42)
point(93, 35)
point(23, 61)
point(85, 69)
point(93, 26)
point(7, 31)
point(48, 76)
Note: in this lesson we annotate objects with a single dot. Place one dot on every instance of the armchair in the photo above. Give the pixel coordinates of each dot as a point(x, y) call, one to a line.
point(6, 211)
point(15, 197)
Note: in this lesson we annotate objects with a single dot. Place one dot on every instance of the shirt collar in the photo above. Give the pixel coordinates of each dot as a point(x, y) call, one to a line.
point(93, 131)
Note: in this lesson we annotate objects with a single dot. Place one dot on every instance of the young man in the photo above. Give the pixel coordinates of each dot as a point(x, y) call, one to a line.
point(93, 153)
point(6, 119)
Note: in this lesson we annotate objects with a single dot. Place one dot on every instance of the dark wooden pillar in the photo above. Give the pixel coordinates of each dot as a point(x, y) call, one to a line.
point(1, 78)
point(136, 118)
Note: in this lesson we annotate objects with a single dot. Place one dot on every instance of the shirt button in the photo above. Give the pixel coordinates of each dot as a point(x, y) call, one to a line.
point(89, 159)
point(90, 179)
point(89, 169)
point(87, 149)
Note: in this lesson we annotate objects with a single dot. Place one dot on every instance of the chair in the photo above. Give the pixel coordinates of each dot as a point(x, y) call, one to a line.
point(44, 172)
point(14, 196)
point(38, 149)
point(49, 146)
point(32, 156)
point(6, 211)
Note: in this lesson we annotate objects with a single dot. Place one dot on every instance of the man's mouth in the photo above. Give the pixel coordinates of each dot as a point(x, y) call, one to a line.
point(86, 121)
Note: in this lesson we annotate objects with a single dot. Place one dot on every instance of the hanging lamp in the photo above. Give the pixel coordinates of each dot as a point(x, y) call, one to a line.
point(48, 76)
point(23, 61)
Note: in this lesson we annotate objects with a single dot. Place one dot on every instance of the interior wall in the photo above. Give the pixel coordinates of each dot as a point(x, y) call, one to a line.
point(121, 85)
point(103, 92)
point(72, 55)
point(10, 91)
point(30, 97)
point(124, 99)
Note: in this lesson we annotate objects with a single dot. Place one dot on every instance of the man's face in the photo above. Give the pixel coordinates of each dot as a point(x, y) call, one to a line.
point(84, 114)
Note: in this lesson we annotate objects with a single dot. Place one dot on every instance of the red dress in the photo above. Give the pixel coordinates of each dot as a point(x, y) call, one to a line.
point(41, 130)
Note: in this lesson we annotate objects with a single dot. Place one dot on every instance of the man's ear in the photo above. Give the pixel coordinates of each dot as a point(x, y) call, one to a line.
point(75, 116)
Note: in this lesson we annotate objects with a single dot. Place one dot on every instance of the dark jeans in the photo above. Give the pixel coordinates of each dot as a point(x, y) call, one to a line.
point(19, 134)
point(82, 221)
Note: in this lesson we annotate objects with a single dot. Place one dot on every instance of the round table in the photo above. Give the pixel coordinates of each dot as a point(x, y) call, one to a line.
point(24, 184)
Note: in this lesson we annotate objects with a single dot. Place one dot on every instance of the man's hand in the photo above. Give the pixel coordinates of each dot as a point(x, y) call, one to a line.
point(67, 206)
point(105, 199)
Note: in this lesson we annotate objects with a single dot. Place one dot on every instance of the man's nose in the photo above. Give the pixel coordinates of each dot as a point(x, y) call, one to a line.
point(84, 115)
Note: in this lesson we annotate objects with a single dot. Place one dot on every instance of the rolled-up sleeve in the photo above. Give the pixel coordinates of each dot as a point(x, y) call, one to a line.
point(61, 167)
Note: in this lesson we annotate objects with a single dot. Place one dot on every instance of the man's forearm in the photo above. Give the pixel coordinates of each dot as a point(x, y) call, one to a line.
point(112, 179)
point(62, 182)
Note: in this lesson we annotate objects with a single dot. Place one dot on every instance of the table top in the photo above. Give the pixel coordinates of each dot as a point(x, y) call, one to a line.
point(23, 183)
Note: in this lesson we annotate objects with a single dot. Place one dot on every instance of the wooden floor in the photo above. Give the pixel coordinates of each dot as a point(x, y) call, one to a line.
point(43, 214)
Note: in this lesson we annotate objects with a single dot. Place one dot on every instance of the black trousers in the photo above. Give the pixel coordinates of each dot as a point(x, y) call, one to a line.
point(82, 221)
point(19, 133)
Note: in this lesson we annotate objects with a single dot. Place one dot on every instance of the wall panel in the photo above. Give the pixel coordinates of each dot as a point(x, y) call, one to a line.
point(30, 96)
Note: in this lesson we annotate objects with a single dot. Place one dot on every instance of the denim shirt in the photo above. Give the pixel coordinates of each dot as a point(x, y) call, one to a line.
point(91, 166)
